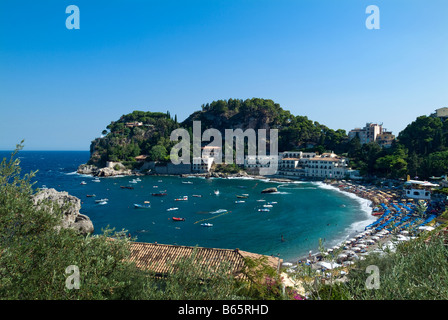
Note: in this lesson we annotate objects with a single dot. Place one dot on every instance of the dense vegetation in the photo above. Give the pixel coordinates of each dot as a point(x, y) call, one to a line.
point(124, 143)
point(421, 149)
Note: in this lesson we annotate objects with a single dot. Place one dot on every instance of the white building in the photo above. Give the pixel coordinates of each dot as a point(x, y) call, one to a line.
point(326, 166)
point(420, 190)
point(202, 164)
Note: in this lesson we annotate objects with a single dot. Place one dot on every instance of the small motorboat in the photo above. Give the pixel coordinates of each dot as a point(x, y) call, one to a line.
point(83, 182)
point(242, 197)
point(267, 206)
point(172, 209)
point(264, 210)
point(178, 219)
point(240, 201)
point(159, 194)
point(133, 181)
point(272, 202)
point(207, 224)
point(197, 196)
point(184, 198)
point(261, 200)
point(187, 182)
point(142, 206)
point(216, 192)
point(96, 180)
point(90, 195)
point(101, 200)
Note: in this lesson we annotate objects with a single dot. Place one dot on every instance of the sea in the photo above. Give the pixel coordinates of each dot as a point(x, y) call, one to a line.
point(302, 214)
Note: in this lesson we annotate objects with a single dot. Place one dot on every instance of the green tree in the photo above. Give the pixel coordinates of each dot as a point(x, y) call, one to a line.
point(158, 153)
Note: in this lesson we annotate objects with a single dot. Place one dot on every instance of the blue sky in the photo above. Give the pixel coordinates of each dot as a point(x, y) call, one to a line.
point(60, 88)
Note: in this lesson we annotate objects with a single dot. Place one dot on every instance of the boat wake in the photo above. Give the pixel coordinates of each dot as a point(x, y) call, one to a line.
point(219, 211)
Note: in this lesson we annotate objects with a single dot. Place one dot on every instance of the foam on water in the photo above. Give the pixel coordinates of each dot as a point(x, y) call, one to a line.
point(366, 210)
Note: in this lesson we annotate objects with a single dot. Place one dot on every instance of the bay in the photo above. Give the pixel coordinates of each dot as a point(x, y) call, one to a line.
point(302, 212)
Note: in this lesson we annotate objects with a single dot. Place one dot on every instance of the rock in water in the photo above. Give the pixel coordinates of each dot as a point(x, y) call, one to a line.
point(70, 206)
point(269, 190)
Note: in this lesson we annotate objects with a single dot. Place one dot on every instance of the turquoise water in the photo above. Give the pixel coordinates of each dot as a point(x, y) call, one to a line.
point(304, 213)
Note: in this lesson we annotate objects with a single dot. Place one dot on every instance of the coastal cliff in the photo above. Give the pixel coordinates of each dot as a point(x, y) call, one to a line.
point(70, 207)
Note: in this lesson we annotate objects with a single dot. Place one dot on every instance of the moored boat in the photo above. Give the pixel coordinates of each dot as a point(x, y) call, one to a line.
point(264, 210)
point(142, 206)
point(184, 198)
point(159, 194)
point(207, 224)
point(216, 192)
point(178, 219)
point(172, 209)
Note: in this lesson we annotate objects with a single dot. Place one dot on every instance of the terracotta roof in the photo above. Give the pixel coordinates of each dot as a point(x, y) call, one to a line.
point(160, 258)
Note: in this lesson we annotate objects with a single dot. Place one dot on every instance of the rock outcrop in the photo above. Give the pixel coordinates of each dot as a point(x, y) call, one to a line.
point(105, 172)
point(70, 206)
point(269, 190)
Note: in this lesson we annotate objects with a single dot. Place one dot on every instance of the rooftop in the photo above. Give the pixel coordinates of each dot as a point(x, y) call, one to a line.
point(160, 258)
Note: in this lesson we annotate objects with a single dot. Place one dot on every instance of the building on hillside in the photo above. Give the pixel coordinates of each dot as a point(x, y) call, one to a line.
point(133, 124)
point(385, 139)
point(441, 113)
point(367, 134)
point(372, 132)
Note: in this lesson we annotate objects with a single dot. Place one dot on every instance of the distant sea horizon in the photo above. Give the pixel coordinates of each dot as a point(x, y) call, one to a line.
point(301, 212)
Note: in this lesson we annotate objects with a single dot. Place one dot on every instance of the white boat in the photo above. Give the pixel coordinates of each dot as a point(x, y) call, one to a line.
point(83, 182)
point(101, 200)
point(239, 201)
point(187, 182)
point(184, 198)
point(207, 224)
point(133, 181)
point(264, 210)
point(272, 202)
point(172, 209)
point(216, 192)
point(102, 203)
point(261, 200)
point(138, 179)
point(267, 206)
point(96, 180)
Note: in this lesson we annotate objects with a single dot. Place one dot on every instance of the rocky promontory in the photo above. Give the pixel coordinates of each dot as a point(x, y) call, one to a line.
point(69, 205)
point(109, 171)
